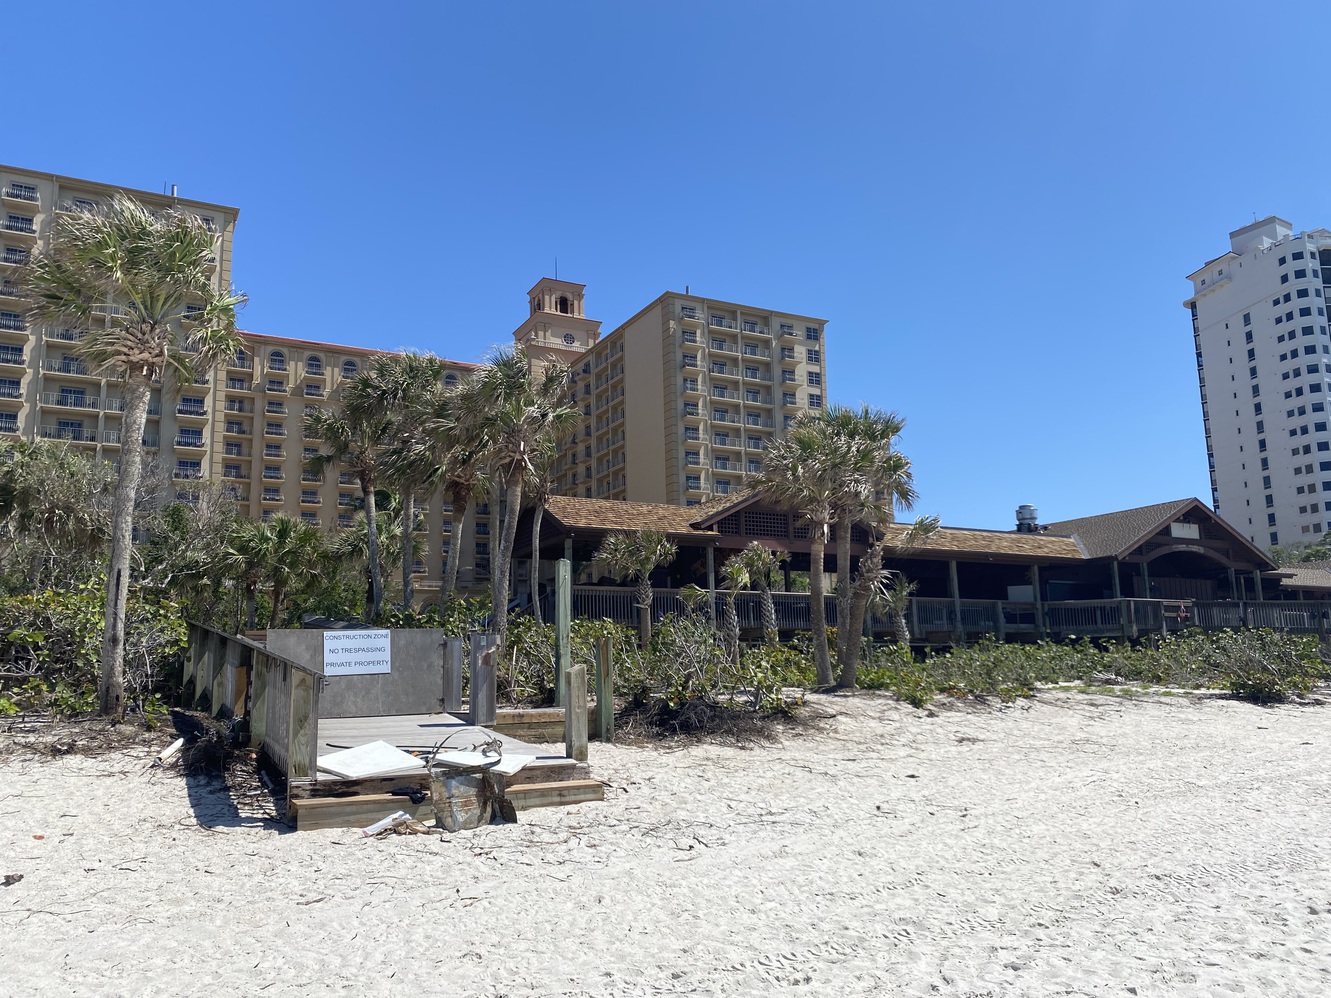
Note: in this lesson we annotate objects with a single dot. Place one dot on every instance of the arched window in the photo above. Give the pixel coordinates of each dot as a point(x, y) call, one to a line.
point(314, 364)
point(450, 380)
point(349, 369)
point(240, 356)
point(536, 305)
point(277, 361)
point(563, 305)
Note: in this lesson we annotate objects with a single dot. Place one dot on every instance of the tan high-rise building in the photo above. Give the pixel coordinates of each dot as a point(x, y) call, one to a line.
point(680, 402)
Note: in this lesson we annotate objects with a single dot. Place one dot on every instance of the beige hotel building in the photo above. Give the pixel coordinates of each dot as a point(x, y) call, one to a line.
point(678, 403)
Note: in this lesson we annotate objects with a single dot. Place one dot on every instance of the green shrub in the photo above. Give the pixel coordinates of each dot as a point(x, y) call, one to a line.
point(50, 649)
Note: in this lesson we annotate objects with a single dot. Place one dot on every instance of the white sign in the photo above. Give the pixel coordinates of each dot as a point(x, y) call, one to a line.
point(357, 653)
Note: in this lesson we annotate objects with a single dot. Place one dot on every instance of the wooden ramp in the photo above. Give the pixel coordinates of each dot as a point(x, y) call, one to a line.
point(329, 801)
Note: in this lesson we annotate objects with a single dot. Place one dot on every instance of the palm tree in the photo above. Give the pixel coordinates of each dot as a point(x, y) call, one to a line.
point(760, 563)
point(542, 482)
point(295, 558)
point(351, 545)
point(868, 436)
point(408, 388)
point(875, 584)
point(803, 472)
point(635, 556)
point(249, 552)
point(515, 411)
point(140, 282)
point(735, 576)
point(355, 441)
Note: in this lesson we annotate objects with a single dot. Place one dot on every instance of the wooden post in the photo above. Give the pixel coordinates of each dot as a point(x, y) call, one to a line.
point(452, 699)
point(230, 669)
point(563, 622)
point(711, 586)
point(575, 713)
point(1000, 625)
point(258, 699)
point(915, 620)
point(1113, 575)
point(1233, 585)
point(568, 549)
point(484, 652)
point(1258, 595)
point(605, 691)
point(191, 658)
point(1146, 580)
point(1128, 610)
point(955, 592)
point(302, 743)
point(1039, 605)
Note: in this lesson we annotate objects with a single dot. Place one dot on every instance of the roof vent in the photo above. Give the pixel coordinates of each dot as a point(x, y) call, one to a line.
point(1028, 519)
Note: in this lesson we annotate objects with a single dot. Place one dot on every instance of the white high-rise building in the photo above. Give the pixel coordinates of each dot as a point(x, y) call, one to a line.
point(1260, 329)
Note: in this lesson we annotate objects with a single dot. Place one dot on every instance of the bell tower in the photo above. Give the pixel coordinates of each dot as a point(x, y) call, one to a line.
point(556, 330)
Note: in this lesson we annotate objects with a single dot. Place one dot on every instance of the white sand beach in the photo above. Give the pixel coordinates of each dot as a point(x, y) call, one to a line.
point(1074, 845)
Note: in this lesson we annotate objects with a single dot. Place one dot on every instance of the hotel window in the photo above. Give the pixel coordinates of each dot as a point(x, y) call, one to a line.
point(277, 361)
point(815, 400)
point(314, 365)
point(813, 356)
point(787, 376)
point(787, 398)
point(811, 333)
point(815, 379)
point(692, 457)
point(693, 483)
point(722, 486)
point(349, 369)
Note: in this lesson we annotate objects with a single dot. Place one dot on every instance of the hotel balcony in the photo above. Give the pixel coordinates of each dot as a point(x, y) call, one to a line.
point(14, 257)
point(789, 331)
point(240, 364)
point(271, 497)
point(71, 400)
point(274, 476)
point(692, 388)
point(236, 430)
point(8, 289)
point(721, 322)
point(192, 411)
point(724, 394)
point(19, 228)
point(14, 323)
point(752, 351)
point(21, 193)
point(758, 398)
point(236, 450)
point(187, 474)
point(790, 401)
point(725, 440)
point(274, 431)
point(236, 476)
point(237, 405)
point(693, 412)
point(725, 417)
point(721, 346)
point(69, 369)
point(689, 314)
point(190, 443)
point(75, 434)
point(67, 335)
point(754, 329)
point(12, 357)
point(313, 501)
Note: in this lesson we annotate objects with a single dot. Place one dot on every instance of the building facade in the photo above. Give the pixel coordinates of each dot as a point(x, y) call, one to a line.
point(680, 402)
point(1259, 328)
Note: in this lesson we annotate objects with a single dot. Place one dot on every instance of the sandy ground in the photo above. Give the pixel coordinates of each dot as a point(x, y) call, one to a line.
point(1077, 845)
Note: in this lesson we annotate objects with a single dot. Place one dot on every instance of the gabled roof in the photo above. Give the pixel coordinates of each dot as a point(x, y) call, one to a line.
point(573, 514)
point(1113, 535)
point(717, 508)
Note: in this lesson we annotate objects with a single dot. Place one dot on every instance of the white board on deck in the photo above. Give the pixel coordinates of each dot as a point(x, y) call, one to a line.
point(505, 765)
point(372, 759)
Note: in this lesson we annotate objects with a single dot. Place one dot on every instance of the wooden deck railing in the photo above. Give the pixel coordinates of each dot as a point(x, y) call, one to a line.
point(279, 697)
point(935, 620)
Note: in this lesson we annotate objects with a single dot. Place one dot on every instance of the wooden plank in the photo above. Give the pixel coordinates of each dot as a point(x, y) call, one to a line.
point(563, 615)
point(575, 717)
point(359, 811)
point(258, 701)
point(484, 668)
point(453, 655)
point(536, 715)
point(301, 741)
point(605, 691)
point(555, 794)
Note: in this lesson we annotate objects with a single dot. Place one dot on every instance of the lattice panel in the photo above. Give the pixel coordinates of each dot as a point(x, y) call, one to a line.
point(762, 523)
point(728, 525)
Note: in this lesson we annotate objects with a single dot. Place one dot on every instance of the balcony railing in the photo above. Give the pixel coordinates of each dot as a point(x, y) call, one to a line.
point(73, 367)
point(15, 323)
point(74, 433)
point(15, 257)
point(191, 410)
point(67, 335)
point(71, 400)
point(20, 194)
point(23, 226)
point(12, 356)
point(721, 322)
point(189, 442)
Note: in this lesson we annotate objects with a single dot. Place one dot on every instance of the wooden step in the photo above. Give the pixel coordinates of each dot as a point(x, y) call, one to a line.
point(362, 810)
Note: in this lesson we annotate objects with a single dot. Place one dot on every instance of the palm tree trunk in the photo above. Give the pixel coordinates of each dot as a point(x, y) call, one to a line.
point(375, 604)
point(822, 662)
point(732, 629)
point(112, 689)
point(279, 595)
point(535, 573)
point(500, 572)
point(461, 510)
point(771, 635)
point(844, 639)
point(644, 593)
point(408, 535)
point(251, 599)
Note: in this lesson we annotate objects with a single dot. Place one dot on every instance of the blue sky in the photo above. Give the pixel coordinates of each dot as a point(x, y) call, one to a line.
point(993, 205)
